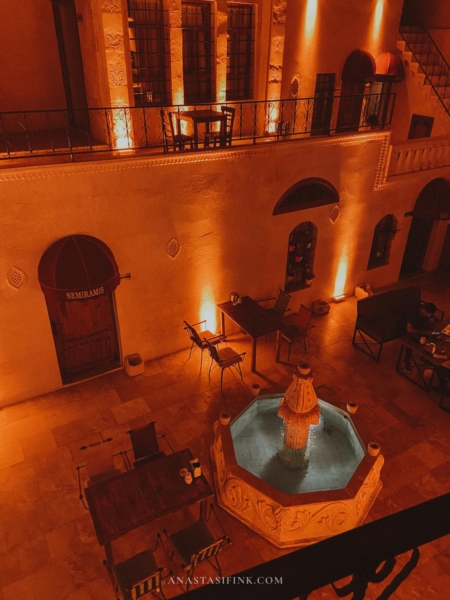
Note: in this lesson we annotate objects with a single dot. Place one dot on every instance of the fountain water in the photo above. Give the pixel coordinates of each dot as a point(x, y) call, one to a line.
point(293, 467)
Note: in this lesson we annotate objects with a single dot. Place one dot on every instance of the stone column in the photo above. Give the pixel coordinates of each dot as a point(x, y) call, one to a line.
point(176, 51)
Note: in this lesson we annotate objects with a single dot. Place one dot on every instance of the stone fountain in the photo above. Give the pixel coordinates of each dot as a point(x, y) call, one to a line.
point(293, 467)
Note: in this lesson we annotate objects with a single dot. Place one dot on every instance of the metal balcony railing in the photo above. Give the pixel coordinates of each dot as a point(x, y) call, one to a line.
point(61, 132)
point(367, 554)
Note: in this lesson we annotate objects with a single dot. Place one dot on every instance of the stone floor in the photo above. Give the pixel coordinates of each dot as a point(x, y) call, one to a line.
point(48, 547)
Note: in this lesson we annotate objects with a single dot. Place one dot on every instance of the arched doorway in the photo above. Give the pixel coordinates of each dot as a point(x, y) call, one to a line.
point(78, 275)
point(359, 69)
point(432, 204)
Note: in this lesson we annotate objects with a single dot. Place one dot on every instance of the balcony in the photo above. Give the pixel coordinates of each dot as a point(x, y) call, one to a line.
point(78, 134)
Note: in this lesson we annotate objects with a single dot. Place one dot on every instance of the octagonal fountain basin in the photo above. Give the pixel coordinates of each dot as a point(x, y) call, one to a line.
point(330, 494)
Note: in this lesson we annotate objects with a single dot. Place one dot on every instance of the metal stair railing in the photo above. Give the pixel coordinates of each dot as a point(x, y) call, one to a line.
point(428, 56)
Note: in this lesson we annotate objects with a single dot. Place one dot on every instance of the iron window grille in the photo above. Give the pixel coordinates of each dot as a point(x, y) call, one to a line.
point(198, 52)
point(300, 257)
point(384, 233)
point(149, 45)
point(307, 193)
point(240, 51)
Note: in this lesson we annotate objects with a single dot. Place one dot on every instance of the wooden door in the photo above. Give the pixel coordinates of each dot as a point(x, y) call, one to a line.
point(323, 104)
point(349, 115)
point(416, 246)
point(85, 335)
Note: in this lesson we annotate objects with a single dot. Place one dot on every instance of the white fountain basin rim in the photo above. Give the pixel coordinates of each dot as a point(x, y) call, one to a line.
point(236, 470)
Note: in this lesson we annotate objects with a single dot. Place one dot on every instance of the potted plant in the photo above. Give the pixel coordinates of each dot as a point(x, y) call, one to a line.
point(309, 276)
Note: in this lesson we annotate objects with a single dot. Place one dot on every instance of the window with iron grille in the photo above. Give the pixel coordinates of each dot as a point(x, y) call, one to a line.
point(383, 235)
point(198, 52)
point(149, 45)
point(300, 257)
point(307, 193)
point(240, 50)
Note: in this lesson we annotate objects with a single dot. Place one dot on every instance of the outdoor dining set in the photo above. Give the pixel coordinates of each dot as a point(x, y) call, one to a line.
point(137, 486)
point(217, 128)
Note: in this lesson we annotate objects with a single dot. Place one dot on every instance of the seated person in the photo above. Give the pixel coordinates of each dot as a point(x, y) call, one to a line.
point(443, 375)
point(421, 324)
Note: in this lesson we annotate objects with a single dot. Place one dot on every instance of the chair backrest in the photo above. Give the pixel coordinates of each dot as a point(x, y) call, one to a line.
point(282, 302)
point(214, 353)
point(208, 552)
point(144, 441)
point(303, 317)
point(147, 585)
point(229, 112)
point(193, 334)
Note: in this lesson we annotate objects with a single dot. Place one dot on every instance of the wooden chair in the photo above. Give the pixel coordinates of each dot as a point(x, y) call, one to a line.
point(138, 575)
point(99, 465)
point(298, 330)
point(197, 543)
point(224, 358)
point(198, 342)
point(145, 444)
point(173, 137)
point(224, 137)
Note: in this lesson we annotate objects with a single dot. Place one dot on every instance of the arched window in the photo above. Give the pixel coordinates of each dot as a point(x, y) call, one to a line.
point(306, 194)
point(383, 235)
point(300, 257)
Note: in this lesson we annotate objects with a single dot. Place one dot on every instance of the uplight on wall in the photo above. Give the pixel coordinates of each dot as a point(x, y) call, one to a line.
point(375, 29)
point(208, 311)
point(122, 128)
point(341, 279)
point(310, 17)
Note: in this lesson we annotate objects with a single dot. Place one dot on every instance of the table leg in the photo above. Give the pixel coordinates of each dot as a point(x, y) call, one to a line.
point(222, 316)
point(277, 346)
point(253, 355)
point(203, 509)
point(109, 554)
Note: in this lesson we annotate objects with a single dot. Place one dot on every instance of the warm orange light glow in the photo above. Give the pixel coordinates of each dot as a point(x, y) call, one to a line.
point(341, 277)
point(375, 29)
point(122, 129)
point(310, 17)
point(208, 311)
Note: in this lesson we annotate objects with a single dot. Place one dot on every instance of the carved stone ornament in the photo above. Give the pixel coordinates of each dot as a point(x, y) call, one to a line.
point(236, 495)
point(111, 6)
point(114, 39)
point(271, 517)
point(173, 248)
point(117, 76)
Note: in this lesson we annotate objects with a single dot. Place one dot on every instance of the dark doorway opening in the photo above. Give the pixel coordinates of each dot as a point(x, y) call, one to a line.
point(432, 204)
point(416, 246)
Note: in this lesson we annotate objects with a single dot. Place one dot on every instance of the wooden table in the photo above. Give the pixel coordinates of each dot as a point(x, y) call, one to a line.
point(206, 116)
point(134, 498)
point(254, 320)
point(429, 361)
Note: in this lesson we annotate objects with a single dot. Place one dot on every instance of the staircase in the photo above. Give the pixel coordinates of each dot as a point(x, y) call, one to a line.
point(425, 58)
